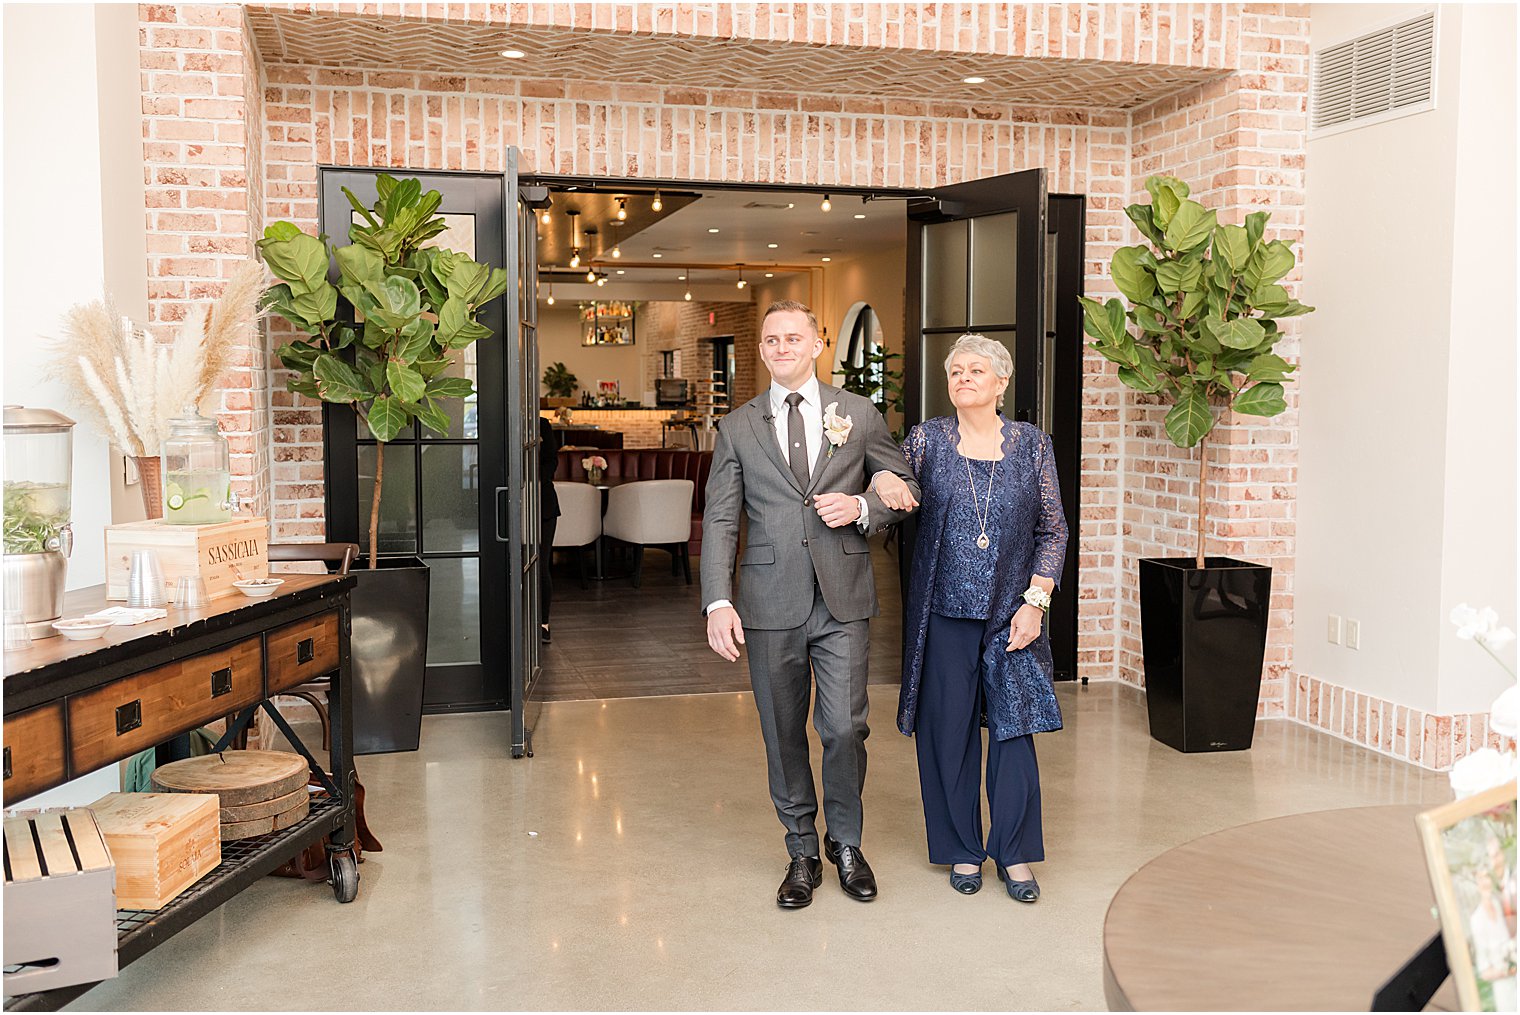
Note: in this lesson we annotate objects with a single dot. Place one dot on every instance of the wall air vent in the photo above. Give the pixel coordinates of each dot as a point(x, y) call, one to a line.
point(1375, 77)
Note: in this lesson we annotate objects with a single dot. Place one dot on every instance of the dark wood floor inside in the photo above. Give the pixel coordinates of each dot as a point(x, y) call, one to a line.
point(615, 641)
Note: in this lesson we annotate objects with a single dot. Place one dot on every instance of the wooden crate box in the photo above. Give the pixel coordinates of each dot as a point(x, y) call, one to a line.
point(221, 554)
point(60, 902)
point(162, 843)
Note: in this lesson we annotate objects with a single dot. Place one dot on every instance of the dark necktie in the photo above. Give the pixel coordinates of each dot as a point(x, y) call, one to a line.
point(796, 435)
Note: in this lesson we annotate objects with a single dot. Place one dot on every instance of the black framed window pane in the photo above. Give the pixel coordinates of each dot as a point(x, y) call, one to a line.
point(451, 498)
point(1048, 360)
point(398, 498)
point(944, 285)
point(936, 391)
point(464, 420)
point(454, 610)
point(994, 269)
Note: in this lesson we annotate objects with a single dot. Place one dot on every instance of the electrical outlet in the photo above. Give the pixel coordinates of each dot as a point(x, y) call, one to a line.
point(1353, 634)
point(1333, 629)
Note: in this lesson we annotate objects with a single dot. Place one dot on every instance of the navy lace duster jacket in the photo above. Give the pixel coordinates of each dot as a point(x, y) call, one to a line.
point(1019, 695)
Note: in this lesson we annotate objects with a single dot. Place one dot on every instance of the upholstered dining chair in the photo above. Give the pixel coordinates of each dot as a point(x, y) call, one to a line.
point(654, 512)
point(580, 521)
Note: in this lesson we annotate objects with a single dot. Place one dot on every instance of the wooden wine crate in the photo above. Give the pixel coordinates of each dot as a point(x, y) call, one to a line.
point(162, 843)
point(221, 554)
point(60, 902)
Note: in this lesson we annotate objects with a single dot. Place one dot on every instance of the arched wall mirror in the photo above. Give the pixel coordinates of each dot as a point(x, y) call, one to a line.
point(859, 336)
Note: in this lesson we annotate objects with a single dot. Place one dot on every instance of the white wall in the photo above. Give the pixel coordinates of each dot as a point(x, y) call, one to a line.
point(559, 340)
point(1397, 373)
point(1478, 544)
point(73, 226)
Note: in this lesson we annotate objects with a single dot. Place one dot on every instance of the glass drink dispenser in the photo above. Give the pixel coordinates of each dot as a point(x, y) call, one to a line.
point(39, 462)
point(197, 472)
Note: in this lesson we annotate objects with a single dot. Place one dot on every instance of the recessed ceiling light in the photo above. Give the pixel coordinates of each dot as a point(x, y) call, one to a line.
point(657, 254)
point(513, 54)
point(770, 274)
point(681, 278)
point(973, 80)
point(620, 271)
point(860, 214)
point(828, 258)
point(773, 246)
point(791, 206)
point(712, 229)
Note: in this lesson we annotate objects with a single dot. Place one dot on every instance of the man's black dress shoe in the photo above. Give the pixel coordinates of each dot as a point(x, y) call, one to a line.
point(803, 874)
point(543, 633)
point(855, 875)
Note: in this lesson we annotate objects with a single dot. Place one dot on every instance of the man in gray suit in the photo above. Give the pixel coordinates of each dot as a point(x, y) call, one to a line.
point(796, 460)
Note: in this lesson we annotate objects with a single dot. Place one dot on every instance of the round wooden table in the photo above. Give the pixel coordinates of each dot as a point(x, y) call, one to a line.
point(1306, 912)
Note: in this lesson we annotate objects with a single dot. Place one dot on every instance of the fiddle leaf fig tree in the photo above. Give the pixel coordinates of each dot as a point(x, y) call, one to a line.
point(1201, 320)
point(406, 308)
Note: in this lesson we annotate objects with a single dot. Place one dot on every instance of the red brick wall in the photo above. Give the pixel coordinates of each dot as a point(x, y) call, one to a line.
point(1237, 139)
point(1239, 143)
point(681, 325)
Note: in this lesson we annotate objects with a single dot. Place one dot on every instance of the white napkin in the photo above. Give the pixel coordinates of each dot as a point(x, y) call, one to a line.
point(125, 616)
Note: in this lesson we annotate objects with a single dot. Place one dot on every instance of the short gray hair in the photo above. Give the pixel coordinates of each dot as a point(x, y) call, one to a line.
point(972, 344)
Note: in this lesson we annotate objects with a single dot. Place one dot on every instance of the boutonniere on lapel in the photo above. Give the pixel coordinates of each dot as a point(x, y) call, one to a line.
point(836, 428)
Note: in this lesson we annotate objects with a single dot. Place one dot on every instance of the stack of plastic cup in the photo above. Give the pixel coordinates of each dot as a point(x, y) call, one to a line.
point(190, 592)
point(145, 581)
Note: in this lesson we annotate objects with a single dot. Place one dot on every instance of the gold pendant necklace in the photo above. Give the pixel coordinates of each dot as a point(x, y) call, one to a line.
point(982, 513)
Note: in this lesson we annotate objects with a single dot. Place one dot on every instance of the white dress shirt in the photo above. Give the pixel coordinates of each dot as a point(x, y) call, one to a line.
point(811, 409)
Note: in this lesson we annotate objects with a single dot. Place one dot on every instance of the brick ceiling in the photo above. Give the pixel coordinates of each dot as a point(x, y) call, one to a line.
point(331, 39)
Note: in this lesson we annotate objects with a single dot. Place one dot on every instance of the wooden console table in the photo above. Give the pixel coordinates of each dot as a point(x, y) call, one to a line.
point(74, 707)
point(1309, 912)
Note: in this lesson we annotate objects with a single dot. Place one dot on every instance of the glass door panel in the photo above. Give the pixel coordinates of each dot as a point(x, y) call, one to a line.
point(433, 505)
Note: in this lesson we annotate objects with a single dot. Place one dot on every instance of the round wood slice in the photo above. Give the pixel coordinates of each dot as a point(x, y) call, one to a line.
point(263, 826)
point(237, 777)
point(265, 808)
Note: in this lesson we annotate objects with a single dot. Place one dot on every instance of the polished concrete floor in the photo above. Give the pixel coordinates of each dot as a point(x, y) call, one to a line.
point(611, 640)
point(631, 864)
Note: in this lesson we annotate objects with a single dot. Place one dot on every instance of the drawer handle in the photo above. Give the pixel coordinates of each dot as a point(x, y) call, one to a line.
point(7, 762)
point(128, 716)
point(306, 650)
point(221, 681)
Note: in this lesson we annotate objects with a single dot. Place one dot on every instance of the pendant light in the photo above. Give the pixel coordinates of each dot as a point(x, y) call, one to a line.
point(601, 280)
point(826, 205)
point(590, 274)
point(687, 277)
point(742, 283)
point(658, 204)
point(575, 237)
point(617, 244)
point(551, 294)
point(622, 212)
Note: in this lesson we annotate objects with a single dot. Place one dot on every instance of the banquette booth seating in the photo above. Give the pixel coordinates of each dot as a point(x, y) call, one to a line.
point(650, 463)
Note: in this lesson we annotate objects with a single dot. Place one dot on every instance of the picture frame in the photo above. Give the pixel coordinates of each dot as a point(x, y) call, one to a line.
point(1470, 855)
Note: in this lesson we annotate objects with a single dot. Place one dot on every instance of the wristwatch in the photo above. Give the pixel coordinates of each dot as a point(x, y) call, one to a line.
point(1037, 597)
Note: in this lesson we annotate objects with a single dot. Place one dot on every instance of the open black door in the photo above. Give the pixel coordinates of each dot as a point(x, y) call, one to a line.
point(981, 257)
point(437, 503)
point(1061, 402)
point(519, 521)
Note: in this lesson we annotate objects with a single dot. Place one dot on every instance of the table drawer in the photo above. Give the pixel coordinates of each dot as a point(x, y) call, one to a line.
point(302, 651)
point(33, 752)
point(127, 715)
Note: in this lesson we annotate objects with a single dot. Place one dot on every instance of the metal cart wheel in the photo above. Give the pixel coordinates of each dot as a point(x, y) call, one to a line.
point(345, 876)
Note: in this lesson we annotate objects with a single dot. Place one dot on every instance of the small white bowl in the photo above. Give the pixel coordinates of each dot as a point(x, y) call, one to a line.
point(82, 628)
point(258, 588)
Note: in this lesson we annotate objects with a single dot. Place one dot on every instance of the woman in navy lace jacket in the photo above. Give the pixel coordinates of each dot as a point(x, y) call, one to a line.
point(991, 542)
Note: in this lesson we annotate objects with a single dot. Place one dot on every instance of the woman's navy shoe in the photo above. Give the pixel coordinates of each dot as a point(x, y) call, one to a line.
point(1019, 891)
point(966, 884)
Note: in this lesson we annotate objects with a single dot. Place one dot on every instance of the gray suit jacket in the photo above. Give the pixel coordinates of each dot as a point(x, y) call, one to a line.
point(787, 543)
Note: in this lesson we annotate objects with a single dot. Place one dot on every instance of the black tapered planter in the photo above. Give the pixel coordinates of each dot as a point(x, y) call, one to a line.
point(1204, 634)
point(389, 646)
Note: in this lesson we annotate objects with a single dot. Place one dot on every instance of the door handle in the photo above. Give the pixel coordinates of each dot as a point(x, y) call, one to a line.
point(499, 537)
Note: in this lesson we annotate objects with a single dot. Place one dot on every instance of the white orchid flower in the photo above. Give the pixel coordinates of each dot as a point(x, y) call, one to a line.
point(1481, 626)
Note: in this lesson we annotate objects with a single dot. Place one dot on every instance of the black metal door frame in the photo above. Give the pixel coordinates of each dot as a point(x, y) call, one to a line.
point(1067, 226)
point(453, 687)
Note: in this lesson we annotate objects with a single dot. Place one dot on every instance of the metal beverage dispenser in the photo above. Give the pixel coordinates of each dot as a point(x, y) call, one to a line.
point(39, 463)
